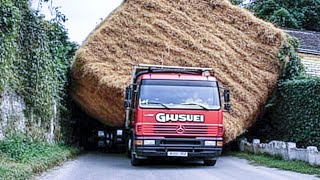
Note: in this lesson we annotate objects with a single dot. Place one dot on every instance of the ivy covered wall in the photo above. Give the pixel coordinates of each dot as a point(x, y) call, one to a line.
point(35, 56)
point(296, 115)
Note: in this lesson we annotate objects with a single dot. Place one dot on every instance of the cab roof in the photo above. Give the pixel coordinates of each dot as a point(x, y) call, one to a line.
point(176, 76)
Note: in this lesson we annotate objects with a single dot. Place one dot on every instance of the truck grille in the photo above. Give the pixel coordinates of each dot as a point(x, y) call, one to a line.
point(156, 129)
point(178, 142)
point(163, 129)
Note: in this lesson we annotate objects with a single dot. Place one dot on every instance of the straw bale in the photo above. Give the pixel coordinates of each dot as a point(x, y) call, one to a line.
point(201, 33)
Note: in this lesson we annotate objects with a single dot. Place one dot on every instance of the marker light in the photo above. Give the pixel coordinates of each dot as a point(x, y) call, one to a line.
point(220, 143)
point(138, 142)
point(119, 132)
point(206, 73)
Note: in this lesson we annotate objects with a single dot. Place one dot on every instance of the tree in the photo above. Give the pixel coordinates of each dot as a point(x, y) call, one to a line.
point(236, 2)
point(298, 14)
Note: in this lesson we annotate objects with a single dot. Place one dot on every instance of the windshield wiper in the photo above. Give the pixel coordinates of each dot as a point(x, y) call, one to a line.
point(160, 103)
point(200, 105)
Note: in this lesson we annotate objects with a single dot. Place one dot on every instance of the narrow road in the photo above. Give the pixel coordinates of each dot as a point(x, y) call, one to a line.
point(102, 166)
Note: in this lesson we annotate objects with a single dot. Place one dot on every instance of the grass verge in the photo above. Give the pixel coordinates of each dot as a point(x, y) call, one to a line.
point(21, 157)
point(278, 162)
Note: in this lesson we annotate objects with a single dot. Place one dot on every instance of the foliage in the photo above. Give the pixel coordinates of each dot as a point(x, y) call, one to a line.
point(21, 157)
point(294, 115)
point(277, 162)
point(12, 170)
point(35, 56)
point(293, 68)
point(9, 19)
point(236, 2)
point(296, 14)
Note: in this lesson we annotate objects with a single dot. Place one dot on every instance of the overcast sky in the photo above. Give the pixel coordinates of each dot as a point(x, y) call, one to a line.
point(83, 15)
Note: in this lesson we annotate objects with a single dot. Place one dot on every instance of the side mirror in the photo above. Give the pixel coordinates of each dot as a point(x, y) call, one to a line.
point(226, 95)
point(127, 97)
point(126, 104)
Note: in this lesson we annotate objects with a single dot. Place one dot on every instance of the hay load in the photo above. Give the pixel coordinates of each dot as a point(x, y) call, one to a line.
point(201, 33)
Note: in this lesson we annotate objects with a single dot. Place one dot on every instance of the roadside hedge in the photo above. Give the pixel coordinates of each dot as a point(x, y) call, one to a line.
point(295, 114)
point(22, 157)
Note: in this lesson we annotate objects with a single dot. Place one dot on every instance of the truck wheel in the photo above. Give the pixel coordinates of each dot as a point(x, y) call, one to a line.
point(134, 160)
point(129, 147)
point(209, 162)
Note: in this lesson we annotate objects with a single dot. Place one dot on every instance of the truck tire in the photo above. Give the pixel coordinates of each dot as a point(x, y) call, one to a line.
point(134, 160)
point(129, 147)
point(209, 162)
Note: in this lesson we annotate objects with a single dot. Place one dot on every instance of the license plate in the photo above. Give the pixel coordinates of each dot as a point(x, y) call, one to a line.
point(178, 154)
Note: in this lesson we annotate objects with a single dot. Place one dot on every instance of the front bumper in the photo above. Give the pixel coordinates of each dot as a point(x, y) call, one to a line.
point(194, 147)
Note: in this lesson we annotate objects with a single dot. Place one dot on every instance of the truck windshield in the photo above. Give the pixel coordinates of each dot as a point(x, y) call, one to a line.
point(178, 94)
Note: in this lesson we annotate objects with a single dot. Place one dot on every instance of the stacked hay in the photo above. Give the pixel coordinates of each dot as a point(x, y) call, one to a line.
point(201, 33)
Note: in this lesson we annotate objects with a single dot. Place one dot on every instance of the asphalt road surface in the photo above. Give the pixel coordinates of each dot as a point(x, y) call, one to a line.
point(103, 166)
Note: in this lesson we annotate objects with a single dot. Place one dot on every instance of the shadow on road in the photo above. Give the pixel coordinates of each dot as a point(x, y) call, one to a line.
point(124, 162)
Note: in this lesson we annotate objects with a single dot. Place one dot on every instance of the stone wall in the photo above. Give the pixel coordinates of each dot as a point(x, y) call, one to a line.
point(12, 115)
point(287, 150)
point(14, 119)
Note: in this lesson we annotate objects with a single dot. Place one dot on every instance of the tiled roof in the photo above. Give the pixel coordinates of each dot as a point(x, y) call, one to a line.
point(309, 41)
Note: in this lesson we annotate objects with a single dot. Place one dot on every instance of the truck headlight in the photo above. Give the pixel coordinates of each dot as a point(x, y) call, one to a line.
point(149, 142)
point(210, 143)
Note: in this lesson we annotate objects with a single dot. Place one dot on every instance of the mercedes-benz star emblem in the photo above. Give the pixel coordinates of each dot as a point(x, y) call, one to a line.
point(180, 129)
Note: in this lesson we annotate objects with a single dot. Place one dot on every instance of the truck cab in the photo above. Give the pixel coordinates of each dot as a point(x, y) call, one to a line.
point(174, 112)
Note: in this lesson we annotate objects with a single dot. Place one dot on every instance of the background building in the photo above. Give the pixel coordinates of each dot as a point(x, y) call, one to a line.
point(309, 50)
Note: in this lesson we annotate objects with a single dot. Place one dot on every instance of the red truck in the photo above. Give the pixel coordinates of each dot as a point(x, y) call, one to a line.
point(174, 112)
